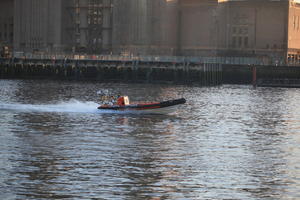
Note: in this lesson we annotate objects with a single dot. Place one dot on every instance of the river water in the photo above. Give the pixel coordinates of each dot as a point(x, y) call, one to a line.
point(228, 142)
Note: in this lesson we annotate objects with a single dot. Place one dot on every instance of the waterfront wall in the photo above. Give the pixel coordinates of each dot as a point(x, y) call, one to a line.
point(209, 74)
point(269, 76)
point(120, 71)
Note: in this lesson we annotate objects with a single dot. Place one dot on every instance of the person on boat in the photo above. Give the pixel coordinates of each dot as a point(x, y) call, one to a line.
point(121, 101)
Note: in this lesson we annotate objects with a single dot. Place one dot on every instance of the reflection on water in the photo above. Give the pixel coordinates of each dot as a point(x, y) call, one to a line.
point(230, 142)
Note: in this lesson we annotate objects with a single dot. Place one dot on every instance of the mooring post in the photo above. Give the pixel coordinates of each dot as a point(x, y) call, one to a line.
point(254, 76)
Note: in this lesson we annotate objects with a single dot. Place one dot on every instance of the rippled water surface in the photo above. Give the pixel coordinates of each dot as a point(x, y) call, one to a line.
point(229, 142)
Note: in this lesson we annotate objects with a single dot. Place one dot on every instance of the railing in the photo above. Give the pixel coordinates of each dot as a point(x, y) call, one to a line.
point(175, 59)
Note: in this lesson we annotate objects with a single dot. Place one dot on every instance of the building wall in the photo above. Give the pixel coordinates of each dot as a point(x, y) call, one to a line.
point(143, 27)
point(87, 26)
point(253, 28)
point(6, 23)
point(107, 26)
point(154, 27)
point(198, 27)
point(271, 18)
point(130, 26)
point(294, 33)
point(63, 26)
point(38, 26)
point(163, 27)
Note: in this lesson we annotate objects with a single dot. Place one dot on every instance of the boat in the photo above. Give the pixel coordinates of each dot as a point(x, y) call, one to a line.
point(163, 107)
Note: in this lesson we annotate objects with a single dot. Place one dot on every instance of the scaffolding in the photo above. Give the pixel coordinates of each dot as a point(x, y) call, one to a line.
point(90, 27)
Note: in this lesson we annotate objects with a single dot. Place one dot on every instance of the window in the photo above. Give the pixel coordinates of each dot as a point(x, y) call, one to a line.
point(246, 42)
point(240, 30)
point(234, 30)
point(233, 42)
point(240, 41)
point(11, 37)
point(245, 30)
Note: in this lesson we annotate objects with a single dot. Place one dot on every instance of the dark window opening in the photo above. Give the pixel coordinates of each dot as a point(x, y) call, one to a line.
point(233, 42)
point(246, 42)
point(240, 41)
point(240, 30)
point(234, 30)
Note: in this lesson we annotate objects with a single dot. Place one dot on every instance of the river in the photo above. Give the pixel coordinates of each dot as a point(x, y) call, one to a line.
point(227, 142)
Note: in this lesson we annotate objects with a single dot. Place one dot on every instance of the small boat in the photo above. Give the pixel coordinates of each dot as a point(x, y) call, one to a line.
point(164, 107)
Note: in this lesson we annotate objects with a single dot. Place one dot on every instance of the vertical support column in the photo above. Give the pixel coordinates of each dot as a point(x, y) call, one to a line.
point(107, 25)
point(254, 76)
point(83, 18)
point(179, 26)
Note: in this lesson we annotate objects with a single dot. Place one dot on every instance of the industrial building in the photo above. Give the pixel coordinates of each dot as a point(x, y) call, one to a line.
point(198, 26)
point(265, 29)
point(256, 28)
point(89, 27)
point(6, 23)
point(262, 28)
point(62, 26)
point(165, 27)
point(38, 26)
point(145, 27)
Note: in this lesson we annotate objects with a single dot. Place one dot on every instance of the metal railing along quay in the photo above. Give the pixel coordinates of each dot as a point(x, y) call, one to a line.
point(258, 61)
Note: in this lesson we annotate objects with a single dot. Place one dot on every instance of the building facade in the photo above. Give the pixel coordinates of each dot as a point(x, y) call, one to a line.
point(266, 29)
point(254, 28)
point(6, 23)
point(145, 27)
point(38, 26)
point(293, 32)
point(89, 26)
point(62, 26)
point(198, 27)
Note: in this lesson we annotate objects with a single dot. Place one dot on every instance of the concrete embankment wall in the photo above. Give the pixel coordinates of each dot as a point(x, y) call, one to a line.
point(277, 76)
point(237, 74)
point(150, 72)
point(121, 71)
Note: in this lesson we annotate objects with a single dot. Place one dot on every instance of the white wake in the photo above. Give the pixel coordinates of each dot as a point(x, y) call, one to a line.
point(73, 106)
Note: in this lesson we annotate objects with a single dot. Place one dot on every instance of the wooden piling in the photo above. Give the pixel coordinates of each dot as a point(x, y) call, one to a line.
point(254, 76)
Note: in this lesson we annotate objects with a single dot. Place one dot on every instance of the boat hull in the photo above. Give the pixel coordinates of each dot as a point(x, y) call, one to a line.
point(164, 107)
